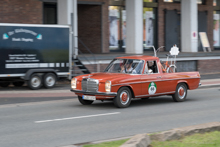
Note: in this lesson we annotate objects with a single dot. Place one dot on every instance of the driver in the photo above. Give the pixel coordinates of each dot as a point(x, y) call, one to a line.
point(128, 67)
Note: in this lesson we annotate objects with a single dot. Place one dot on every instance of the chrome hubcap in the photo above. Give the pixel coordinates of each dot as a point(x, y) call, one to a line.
point(35, 81)
point(50, 81)
point(181, 92)
point(124, 97)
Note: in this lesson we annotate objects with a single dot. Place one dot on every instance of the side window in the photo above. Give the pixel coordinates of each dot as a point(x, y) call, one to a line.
point(151, 67)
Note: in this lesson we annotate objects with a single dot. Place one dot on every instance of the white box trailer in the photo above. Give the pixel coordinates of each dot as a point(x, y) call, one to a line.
point(36, 54)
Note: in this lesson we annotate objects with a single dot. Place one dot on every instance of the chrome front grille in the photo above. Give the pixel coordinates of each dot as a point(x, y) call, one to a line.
point(90, 85)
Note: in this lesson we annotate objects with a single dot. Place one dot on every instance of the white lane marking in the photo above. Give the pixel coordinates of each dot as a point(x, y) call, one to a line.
point(69, 118)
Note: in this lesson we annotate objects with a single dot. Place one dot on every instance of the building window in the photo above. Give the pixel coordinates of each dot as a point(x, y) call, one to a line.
point(216, 3)
point(115, 35)
point(149, 25)
point(150, 1)
point(50, 13)
point(216, 33)
point(117, 25)
point(178, 1)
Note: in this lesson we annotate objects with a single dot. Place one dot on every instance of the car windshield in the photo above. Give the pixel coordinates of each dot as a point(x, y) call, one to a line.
point(130, 66)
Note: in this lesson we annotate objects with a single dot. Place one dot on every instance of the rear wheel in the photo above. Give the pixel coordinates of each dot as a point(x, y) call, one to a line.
point(35, 82)
point(123, 98)
point(49, 80)
point(181, 93)
point(84, 102)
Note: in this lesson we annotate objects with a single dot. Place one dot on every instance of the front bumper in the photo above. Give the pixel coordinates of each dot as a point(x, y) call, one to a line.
point(95, 93)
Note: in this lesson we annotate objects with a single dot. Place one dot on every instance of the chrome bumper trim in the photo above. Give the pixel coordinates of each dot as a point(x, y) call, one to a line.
point(95, 93)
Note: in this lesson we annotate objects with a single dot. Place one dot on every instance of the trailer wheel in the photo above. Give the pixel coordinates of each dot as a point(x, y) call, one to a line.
point(4, 84)
point(18, 84)
point(35, 82)
point(49, 80)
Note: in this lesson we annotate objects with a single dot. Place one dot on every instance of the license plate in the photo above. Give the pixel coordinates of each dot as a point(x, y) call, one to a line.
point(88, 97)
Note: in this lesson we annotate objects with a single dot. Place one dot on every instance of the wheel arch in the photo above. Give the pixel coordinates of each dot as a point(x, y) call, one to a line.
point(43, 71)
point(183, 81)
point(130, 88)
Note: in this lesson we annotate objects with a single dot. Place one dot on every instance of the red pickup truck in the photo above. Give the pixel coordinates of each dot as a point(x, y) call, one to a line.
point(131, 77)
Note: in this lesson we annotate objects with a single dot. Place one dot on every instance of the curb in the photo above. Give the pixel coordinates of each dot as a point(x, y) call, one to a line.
point(209, 85)
point(144, 140)
point(140, 140)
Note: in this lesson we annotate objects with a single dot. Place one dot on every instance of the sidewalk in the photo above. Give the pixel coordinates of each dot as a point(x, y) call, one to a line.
point(210, 82)
point(37, 93)
point(65, 92)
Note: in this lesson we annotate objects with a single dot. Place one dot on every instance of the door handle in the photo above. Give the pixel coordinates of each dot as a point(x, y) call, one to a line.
point(159, 77)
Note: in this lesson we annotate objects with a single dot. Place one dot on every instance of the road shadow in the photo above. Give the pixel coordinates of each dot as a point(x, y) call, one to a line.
point(134, 103)
point(96, 105)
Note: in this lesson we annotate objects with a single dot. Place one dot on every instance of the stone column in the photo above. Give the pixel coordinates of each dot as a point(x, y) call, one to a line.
point(65, 9)
point(134, 26)
point(189, 26)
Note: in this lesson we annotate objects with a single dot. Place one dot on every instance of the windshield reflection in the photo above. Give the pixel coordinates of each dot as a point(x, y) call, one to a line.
point(129, 66)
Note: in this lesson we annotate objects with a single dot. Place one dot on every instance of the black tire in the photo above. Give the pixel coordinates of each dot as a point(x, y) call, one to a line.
point(35, 82)
point(181, 93)
point(84, 102)
point(4, 84)
point(18, 84)
point(49, 80)
point(123, 98)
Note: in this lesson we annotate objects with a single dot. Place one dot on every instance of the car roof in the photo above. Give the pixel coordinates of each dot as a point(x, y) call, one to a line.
point(139, 57)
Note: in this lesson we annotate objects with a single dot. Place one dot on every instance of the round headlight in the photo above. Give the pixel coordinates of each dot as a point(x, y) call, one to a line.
point(108, 86)
point(73, 83)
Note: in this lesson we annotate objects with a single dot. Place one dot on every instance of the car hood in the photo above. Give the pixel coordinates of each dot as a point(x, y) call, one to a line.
point(103, 77)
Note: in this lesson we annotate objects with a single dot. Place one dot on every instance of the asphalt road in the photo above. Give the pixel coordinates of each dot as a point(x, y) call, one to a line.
point(66, 122)
point(65, 84)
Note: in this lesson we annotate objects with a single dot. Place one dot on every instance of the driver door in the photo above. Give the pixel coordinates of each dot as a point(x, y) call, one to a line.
point(151, 82)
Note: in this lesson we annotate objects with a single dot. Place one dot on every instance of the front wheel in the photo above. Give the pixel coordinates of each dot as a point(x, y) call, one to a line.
point(181, 93)
point(84, 102)
point(123, 98)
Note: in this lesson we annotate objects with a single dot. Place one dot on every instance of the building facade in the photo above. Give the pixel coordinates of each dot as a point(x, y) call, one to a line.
point(103, 24)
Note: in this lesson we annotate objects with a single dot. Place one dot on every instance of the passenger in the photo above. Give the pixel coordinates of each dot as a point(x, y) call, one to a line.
point(150, 67)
